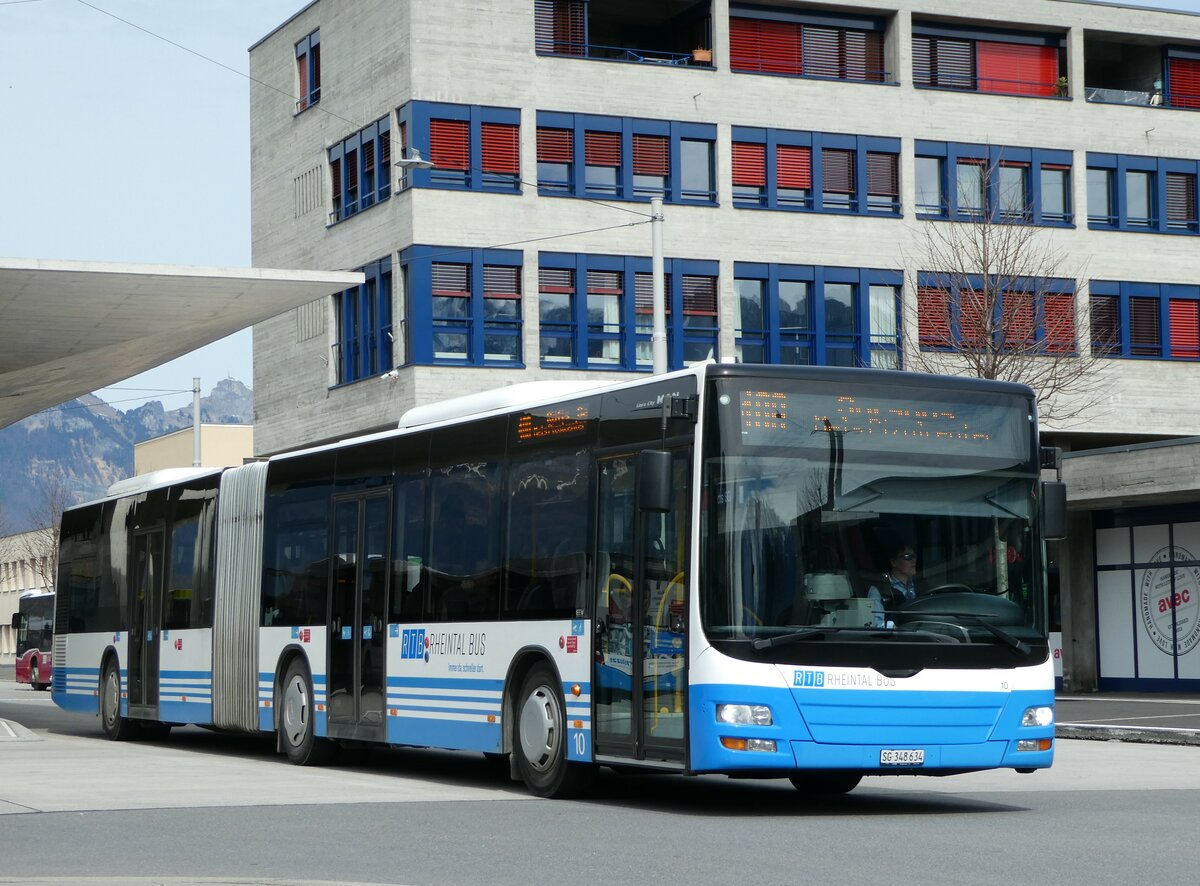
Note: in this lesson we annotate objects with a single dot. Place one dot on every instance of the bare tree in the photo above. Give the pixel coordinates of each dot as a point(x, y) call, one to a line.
point(996, 299)
point(39, 546)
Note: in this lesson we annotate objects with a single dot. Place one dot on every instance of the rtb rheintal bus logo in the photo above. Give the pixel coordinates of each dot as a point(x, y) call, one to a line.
point(413, 644)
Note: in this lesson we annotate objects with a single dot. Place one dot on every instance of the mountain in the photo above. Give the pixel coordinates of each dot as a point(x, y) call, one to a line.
point(74, 452)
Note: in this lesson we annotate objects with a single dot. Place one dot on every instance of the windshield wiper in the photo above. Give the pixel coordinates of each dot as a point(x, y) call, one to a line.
point(858, 633)
point(1016, 644)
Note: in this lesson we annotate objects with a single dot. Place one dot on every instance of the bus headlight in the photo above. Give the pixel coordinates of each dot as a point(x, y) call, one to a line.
point(744, 714)
point(1039, 716)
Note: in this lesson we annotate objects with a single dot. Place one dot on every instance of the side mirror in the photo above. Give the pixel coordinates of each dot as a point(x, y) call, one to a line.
point(16, 621)
point(654, 480)
point(1054, 509)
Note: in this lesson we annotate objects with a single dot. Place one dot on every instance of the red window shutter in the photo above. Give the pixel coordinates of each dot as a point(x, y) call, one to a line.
point(643, 294)
point(500, 150)
point(1183, 82)
point(944, 62)
point(501, 281)
point(1106, 328)
point(972, 318)
point(883, 177)
point(793, 167)
point(554, 145)
point(1144, 337)
point(699, 295)
point(351, 171)
point(368, 152)
point(450, 279)
point(604, 282)
point(335, 178)
point(933, 316)
point(385, 153)
point(863, 53)
point(315, 64)
point(1016, 68)
point(765, 47)
point(651, 154)
point(1181, 199)
point(602, 148)
point(448, 144)
point(1018, 319)
point(1184, 319)
point(749, 164)
point(1060, 323)
point(556, 280)
point(302, 71)
point(559, 26)
point(837, 170)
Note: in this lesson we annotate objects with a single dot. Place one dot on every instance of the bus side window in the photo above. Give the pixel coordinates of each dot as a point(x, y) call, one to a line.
point(409, 579)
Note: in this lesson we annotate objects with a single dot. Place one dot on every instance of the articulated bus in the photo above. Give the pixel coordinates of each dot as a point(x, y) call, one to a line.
point(33, 623)
point(673, 573)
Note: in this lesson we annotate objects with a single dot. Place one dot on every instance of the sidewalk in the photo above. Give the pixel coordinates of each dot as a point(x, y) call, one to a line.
point(1125, 716)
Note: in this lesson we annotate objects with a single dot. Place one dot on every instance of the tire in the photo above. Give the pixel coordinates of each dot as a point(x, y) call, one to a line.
point(33, 675)
point(540, 738)
point(826, 782)
point(116, 727)
point(296, 710)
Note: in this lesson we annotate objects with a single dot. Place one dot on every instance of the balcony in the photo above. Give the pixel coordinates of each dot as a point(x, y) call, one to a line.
point(1129, 69)
point(993, 60)
point(669, 32)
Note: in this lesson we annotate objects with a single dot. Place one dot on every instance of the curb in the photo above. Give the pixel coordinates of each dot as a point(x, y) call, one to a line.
point(1138, 734)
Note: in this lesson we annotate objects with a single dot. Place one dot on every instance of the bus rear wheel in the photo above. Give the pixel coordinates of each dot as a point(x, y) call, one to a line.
point(296, 727)
point(541, 738)
point(826, 782)
point(33, 675)
point(116, 727)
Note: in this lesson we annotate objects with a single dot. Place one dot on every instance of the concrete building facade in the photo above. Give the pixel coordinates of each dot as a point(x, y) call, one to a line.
point(803, 152)
point(221, 446)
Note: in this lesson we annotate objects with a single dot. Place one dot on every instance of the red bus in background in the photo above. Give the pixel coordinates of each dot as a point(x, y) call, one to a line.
point(34, 623)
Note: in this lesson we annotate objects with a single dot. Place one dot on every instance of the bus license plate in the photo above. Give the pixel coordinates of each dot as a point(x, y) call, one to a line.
point(909, 757)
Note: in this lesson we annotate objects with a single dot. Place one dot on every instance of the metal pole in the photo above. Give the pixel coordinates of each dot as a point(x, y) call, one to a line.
point(658, 337)
point(195, 422)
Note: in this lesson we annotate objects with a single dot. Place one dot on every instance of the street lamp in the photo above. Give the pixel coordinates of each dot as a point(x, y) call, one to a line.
point(411, 159)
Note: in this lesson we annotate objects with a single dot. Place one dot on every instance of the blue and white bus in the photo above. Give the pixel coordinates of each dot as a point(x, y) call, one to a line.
point(680, 573)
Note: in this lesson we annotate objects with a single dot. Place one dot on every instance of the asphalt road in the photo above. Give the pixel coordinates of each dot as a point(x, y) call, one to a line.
point(74, 806)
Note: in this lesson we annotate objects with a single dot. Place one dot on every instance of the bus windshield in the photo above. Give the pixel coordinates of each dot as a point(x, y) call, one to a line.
point(869, 514)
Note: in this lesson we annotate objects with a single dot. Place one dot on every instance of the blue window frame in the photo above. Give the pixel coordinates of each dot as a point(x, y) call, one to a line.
point(308, 71)
point(819, 316)
point(1158, 321)
point(473, 148)
point(1149, 195)
point(626, 158)
point(364, 325)
point(815, 171)
point(464, 305)
point(1020, 185)
point(595, 311)
point(1031, 316)
point(360, 170)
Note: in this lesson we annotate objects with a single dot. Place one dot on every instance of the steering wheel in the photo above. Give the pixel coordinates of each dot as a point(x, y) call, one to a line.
point(950, 588)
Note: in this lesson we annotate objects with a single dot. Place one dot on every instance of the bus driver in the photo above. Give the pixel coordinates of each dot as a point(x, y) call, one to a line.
point(901, 587)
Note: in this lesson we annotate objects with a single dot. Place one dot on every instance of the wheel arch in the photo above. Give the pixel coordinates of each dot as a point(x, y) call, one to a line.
point(287, 655)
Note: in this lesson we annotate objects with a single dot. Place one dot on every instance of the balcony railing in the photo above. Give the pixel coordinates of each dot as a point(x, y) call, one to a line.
point(1142, 98)
point(923, 77)
point(698, 57)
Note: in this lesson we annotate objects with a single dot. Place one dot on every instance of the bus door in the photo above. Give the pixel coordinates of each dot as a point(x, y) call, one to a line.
point(356, 689)
point(145, 613)
point(640, 681)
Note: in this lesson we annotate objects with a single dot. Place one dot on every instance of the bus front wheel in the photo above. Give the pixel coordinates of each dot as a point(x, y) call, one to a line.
point(296, 728)
point(116, 727)
point(541, 738)
point(826, 782)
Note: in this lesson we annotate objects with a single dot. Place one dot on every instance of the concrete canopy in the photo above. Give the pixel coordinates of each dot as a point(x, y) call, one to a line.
point(70, 327)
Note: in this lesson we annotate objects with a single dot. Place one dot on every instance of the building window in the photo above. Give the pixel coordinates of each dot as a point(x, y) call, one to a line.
point(977, 60)
point(824, 45)
point(596, 311)
point(308, 70)
point(364, 325)
point(815, 171)
point(1020, 185)
point(1183, 78)
point(1146, 194)
point(625, 158)
point(1152, 320)
point(801, 315)
point(560, 27)
point(471, 147)
point(360, 170)
point(1028, 316)
point(464, 306)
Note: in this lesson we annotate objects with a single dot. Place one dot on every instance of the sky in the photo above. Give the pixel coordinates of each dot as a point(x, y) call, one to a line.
point(118, 146)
